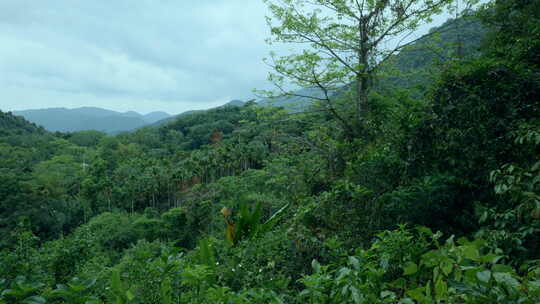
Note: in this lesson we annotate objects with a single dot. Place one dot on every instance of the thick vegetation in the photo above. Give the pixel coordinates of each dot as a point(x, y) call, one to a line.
point(436, 201)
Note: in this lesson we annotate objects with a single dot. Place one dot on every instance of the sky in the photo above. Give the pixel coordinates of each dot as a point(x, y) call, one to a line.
point(140, 55)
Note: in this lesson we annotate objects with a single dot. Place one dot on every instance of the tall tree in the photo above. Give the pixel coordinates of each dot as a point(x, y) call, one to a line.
point(346, 42)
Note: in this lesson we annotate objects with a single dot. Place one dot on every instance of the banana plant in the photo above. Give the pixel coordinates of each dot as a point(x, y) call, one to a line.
point(248, 223)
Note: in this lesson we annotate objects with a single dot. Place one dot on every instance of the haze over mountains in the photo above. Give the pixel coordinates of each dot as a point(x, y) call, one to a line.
point(89, 118)
point(108, 121)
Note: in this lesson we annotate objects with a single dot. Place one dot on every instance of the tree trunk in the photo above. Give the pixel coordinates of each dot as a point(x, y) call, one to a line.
point(362, 81)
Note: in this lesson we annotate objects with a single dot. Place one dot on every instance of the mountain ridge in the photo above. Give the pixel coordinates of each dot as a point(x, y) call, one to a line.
point(89, 118)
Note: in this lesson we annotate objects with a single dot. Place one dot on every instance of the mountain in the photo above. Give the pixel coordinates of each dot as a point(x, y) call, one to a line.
point(234, 103)
point(297, 103)
point(418, 64)
point(89, 118)
point(169, 119)
point(155, 116)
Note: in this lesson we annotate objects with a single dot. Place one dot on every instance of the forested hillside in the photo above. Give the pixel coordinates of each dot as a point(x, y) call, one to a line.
point(10, 124)
point(433, 197)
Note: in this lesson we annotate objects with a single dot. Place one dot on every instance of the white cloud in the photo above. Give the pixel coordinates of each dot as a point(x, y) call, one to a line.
point(130, 55)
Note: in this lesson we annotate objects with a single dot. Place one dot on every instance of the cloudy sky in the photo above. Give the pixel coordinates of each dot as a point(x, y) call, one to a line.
point(142, 55)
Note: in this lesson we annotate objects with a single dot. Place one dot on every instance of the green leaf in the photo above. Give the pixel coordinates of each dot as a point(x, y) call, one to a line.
point(502, 268)
point(424, 230)
point(316, 266)
point(343, 272)
point(484, 276)
point(432, 258)
point(446, 267)
point(116, 283)
point(470, 274)
point(417, 293)
point(441, 289)
point(471, 252)
point(275, 218)
point(387, 293)
point(463, 241)
point(506, 279)
point(354, 262)
point(355, 294)
point(410, 268)
point(129, 295)
point(491, 258)
point(34, 300)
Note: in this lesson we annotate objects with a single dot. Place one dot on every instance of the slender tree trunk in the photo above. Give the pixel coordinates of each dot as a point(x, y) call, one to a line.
point(362, 81)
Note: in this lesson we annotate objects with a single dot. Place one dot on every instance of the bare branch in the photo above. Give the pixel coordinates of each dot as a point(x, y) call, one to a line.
point(329, 104)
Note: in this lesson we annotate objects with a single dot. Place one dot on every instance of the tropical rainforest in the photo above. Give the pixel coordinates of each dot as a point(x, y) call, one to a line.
point(426, 190)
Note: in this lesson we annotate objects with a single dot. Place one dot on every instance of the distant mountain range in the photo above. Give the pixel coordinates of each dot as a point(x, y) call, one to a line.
point(89, 118)
point(92, 118)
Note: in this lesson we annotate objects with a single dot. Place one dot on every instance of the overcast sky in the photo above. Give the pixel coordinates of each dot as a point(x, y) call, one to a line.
point(141, 55)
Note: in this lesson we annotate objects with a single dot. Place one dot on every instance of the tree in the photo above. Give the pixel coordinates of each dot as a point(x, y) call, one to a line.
point(347, 42)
